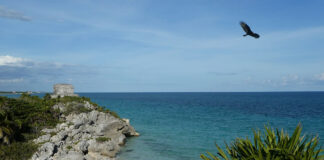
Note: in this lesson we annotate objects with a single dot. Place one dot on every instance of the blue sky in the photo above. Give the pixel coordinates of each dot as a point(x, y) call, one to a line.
point(162, 45)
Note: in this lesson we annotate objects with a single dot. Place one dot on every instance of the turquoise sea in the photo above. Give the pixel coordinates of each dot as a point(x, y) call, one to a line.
point(178, 126)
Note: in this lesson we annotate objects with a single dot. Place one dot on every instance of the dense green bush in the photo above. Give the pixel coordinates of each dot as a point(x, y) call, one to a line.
point(17, 151)
point(27, 114)
point(271, 146)
point(21, 120)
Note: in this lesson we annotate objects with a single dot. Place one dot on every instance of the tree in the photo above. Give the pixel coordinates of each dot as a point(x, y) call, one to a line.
point(6, 127)
point(47, 97)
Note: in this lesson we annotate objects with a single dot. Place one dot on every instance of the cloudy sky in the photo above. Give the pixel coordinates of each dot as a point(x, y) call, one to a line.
point(162, 45)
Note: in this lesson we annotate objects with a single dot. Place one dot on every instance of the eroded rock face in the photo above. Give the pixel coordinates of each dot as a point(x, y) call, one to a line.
point(91, 136)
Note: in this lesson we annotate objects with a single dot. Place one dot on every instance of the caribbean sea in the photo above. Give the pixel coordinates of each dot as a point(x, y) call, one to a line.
point(178, 126)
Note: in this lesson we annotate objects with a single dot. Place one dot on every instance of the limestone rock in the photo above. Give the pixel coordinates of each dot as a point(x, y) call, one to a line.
point(43, 138)
point(78, 136)
point(104, 148)
point(59, 106)
point(46, 151)
point(72, 155)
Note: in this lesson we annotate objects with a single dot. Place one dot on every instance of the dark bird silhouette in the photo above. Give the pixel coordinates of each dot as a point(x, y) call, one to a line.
point(248, 30)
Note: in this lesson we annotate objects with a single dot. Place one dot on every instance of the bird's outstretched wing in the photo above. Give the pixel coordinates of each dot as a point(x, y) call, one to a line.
point(255, 35)
point(248, 30)
point(245, 27)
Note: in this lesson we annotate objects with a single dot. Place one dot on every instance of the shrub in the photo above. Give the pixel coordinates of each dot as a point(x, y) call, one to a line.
point(70, 108)
point(103, 139)
point(273, 146)
point(69, 147)
point(53, 134)
point(114, 114)
point(66, 99)
point(17, 151)
point(105, 110)
point(47, 97)
point(21, 120)
point(75, 108)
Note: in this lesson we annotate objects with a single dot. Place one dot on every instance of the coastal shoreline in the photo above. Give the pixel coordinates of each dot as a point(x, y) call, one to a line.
point(90, 136)
point(45, 128)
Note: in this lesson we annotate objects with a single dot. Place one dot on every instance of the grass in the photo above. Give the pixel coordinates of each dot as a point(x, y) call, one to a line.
point(53, 134)
point(75, 143)
point(103, 139)
point(69, 147)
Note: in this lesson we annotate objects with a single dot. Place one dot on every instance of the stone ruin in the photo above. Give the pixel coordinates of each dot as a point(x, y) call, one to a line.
point(63, 90)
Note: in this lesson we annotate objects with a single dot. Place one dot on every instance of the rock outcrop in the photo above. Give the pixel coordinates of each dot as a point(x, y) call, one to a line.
point(92, 135)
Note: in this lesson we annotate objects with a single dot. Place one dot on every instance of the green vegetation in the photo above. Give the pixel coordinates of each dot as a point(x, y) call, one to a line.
point(73, 99)
point(69, 147)
point(17, 151)
point(271, 146)
point(103, 139)
point(70, 124)
point(72, 108)
point(75, 143)
point(53, 134)
point(25, 115)
point(105, 110)
point(23, 118)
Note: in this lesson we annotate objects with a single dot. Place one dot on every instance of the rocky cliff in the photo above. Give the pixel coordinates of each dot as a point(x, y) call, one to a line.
point(91, 135)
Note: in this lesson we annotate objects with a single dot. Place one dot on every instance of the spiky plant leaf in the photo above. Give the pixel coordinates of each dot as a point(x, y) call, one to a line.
point(274, 145)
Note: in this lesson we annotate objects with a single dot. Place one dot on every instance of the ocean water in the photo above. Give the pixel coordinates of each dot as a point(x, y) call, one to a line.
point(177, 126)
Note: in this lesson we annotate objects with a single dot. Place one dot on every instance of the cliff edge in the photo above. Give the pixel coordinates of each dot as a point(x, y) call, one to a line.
point(89, 135)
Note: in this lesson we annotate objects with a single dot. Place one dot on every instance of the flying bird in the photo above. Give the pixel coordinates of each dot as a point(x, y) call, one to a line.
point(248, 30)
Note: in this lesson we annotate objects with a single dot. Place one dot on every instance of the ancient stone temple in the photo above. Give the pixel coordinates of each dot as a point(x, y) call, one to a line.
point(63, 90)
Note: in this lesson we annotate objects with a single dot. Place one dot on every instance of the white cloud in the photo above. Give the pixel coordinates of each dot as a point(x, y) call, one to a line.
point(286, 80)
point(320, 77)
point(12, 14)
point(15, 80)
point(17, 69)
point(11, 61)
point(119, 27)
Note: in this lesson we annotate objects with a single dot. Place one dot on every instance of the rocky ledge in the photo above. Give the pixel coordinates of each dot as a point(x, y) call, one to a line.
point(92, 135)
